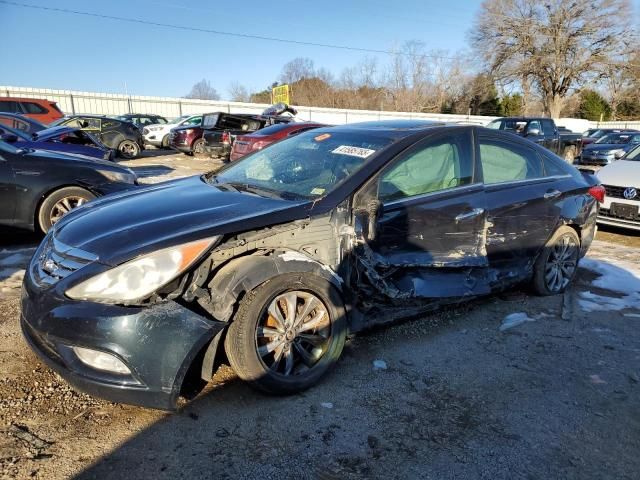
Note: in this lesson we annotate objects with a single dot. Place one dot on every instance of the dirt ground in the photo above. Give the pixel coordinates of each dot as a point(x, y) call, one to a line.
point(510, 386)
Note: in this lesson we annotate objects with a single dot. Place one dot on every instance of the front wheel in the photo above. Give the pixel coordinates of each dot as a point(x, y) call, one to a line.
point(287, 333)
point(59, 203)
point(558, 262)
point(128, 149)
point(165, 141)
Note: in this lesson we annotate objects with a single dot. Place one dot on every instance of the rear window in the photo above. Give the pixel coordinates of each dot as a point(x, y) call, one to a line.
point(31, 107)
point(272, 129)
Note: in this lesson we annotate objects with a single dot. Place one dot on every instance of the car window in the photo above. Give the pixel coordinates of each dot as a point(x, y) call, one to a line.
point(193, 121)
point(506, 161)
point(15, 123)
point(548, 128)
point(31, 107)
point(438, 165)
point(495, 124)
point(159, 120)
point(533, 125)
point(9, 106)
point(110, 124)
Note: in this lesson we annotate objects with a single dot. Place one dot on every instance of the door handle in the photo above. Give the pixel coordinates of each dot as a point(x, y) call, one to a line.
point(552, 194)
point(472, 214)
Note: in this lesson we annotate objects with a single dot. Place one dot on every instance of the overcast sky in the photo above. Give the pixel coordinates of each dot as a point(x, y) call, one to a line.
point(60, 50)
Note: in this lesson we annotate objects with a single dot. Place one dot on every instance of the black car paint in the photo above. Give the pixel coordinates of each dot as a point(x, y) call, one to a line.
point(112, 132)
point(27, 176)
point(333, 237)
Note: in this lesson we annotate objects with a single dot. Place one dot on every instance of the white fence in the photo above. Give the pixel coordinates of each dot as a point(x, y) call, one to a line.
point(73, 102)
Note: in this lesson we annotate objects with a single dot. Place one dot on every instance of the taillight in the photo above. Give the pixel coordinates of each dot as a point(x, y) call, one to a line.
point(259, 145)
point(598, 192)
point(226, 137)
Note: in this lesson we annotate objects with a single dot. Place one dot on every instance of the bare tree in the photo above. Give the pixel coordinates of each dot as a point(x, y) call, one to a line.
point(203, 91)
point(238, 92)
point(557, 44)
point(297, 69)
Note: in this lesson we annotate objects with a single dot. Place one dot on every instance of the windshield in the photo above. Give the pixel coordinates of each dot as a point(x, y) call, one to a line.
point(494, 125)
point(309, 165)
point(619, 139)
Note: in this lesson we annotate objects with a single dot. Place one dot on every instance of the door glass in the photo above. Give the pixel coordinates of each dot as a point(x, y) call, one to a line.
point(9, 106)
point(440, 164)
point(534, 125)
point(33, 107)
point(507, 162)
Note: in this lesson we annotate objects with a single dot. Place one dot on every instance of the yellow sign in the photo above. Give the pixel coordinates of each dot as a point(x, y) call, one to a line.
point(280, 94)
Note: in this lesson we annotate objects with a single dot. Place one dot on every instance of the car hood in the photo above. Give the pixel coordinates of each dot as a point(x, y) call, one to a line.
point(622, 173)
point(94, 162)
point(119, 227)
point(603, 147)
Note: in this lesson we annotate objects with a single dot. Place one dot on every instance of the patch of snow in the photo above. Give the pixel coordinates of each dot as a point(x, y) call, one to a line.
point(515, 319)
point(326, 405)
point(616, 275)
point(379, 365)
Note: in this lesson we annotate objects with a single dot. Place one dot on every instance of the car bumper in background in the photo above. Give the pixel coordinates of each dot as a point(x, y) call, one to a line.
point(157, 344)
point(619, 211)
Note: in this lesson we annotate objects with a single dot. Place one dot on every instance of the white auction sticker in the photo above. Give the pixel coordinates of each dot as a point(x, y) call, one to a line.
point(353, 151)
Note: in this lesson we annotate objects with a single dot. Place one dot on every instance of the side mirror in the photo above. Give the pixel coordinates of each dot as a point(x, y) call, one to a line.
point(619, 154)
point(533, 132)
point(9, 137)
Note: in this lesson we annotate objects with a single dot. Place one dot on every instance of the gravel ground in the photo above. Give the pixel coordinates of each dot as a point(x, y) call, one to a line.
point(510, 386)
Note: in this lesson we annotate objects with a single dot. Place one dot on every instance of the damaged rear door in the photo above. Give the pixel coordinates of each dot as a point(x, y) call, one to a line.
point(423, 219)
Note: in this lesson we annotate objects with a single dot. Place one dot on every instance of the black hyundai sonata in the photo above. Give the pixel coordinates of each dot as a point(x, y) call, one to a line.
point(270, 262)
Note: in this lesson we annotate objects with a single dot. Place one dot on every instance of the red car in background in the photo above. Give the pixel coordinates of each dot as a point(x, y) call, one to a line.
point(245, 144)
point(40, 109)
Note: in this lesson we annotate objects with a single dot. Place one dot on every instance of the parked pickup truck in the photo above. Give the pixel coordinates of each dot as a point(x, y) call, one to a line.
point(542, 131)
point(220, 129)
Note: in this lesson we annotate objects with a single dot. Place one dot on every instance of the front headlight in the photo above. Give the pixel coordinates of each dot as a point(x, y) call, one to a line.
point(123, 177)
point(139, 278)
point(154, 129)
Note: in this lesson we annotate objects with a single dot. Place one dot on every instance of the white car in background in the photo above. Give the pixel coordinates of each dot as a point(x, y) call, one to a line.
point(621, 179)
point(158, 135)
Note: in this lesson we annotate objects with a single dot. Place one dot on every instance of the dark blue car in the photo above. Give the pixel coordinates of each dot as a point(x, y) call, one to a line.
point(67, 140)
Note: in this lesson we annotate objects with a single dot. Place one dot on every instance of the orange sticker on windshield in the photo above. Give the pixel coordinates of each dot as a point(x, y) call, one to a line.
point(322, 137)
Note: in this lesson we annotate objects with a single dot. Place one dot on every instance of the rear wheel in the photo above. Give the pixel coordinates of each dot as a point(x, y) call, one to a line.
point(59, 203)
point(287, 333)
point(558, 263)
point(570, 154)
point(198, 147)
point(128, 149)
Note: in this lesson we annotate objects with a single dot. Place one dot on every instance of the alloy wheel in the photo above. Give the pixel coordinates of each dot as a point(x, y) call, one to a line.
point(293, 333)
point(561, 263)
point(64, 206)
point(128, 149)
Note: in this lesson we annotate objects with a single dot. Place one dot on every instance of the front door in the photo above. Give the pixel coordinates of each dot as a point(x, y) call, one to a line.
point(428, 239)
point(7, 185)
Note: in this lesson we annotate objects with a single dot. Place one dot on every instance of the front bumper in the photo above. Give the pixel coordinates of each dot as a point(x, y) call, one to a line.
point(157, 343)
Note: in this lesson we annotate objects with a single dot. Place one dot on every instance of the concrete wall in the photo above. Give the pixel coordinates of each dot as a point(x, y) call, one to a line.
point(72, 101)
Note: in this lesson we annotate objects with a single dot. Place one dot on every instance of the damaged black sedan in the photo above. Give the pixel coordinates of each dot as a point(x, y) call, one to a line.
point(270, 262)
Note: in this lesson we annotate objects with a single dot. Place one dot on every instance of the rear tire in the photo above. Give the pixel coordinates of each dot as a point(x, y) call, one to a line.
point(284, 351)
point(59, 203)
point(198, 147)
point(128, 149)
point(570, 154)
point(557, 264)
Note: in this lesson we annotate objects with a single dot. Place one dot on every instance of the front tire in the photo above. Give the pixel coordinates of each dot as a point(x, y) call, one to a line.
point(557, 264)
point(59, 203)
point(287, 333)
point(165, 141)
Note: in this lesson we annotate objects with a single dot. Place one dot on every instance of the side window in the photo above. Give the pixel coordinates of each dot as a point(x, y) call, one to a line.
point(92, 124)
point(534, 124)
point(31, 107)
point(194, 121)
point(548, 127)
point(552, 168)
point(438, 164)
point(109, 125)
point(507, 162)
point(9, 107)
